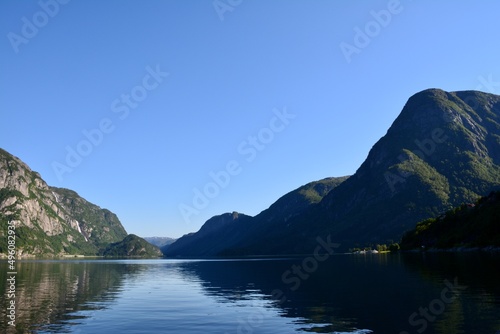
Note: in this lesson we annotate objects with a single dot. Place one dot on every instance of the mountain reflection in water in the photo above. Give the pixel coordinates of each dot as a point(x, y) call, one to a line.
point(345, 294)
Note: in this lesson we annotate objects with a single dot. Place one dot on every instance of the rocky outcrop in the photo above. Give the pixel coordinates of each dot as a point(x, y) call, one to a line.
point(50, 221)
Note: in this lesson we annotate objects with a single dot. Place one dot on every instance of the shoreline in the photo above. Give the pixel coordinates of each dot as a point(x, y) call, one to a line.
point(462, 249)
point(487, 249)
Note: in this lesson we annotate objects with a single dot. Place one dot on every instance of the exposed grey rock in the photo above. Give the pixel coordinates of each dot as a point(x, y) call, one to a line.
point(51, 221)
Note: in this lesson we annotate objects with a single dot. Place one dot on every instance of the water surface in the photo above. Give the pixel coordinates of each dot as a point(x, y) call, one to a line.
point(411, 293)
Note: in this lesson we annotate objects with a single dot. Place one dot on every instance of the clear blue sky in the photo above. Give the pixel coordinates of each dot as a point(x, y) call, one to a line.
point(182, 88)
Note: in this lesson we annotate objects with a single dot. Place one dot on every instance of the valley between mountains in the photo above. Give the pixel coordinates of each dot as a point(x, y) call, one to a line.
point(440, 153)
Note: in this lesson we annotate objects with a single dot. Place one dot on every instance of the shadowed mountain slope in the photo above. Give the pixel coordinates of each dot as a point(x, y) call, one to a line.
point(441, 151)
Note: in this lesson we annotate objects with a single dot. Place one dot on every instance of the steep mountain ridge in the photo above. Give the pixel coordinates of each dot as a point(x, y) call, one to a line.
point(222, 236)
point(441, 151)
point(213, 236)
point(436, 155)
point(49, 220)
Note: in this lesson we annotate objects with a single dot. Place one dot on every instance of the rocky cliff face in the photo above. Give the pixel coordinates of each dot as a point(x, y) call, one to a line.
point(50, 221)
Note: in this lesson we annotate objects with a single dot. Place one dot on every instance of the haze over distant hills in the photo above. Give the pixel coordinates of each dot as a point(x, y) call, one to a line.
point(441, 151)
point(160, 241)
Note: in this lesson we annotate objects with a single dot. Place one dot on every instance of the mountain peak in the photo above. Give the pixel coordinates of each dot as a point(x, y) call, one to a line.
point(434, 101)
point(220, 221)
point(466, 116)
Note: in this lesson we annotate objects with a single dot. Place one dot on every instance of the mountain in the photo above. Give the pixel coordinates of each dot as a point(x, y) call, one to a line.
point(217, 232)
point(441, 151)
point(50, 221)
point(160, 241)
point(469, 225)
point(132, 246)
point(229, 234)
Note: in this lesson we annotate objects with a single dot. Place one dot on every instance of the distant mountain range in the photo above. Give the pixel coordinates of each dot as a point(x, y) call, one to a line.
point(160, 241)
point(52, 221)
point(441, 151)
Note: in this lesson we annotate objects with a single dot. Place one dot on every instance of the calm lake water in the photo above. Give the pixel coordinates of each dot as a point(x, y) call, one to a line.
point(381, 294)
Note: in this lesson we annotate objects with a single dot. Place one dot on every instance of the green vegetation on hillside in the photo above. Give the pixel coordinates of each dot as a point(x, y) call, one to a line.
point(50, 221)
point(442, 150)
point(469, 225)
point(104, 225)
point(35, 242)
point(132, 246)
